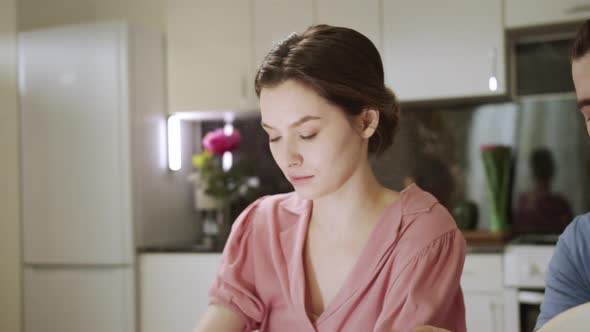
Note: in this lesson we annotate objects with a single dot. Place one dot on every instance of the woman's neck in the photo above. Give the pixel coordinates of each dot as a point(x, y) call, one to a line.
point(359, 202)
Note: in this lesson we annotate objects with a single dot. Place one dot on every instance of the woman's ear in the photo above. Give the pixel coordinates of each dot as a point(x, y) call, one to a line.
point(369, 122)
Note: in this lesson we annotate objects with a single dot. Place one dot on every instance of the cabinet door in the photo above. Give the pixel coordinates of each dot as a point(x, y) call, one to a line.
point(483, 272)
point(275, 19)
point(527, 13)
point(363, 16)
point(209, 55)
point(173, 289)
point(443, 49)
point(74, 145)
point(484, 312)
point(88, 299)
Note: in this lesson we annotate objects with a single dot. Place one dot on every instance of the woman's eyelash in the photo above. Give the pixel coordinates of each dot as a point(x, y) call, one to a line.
point(303, 137)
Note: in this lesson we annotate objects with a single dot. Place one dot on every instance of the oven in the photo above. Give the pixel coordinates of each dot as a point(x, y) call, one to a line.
point(525, 268)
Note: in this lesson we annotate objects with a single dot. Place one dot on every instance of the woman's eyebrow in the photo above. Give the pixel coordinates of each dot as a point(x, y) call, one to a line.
point(296, 123)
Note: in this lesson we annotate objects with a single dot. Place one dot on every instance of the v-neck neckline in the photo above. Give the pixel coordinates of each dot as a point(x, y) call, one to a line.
point(371, 252)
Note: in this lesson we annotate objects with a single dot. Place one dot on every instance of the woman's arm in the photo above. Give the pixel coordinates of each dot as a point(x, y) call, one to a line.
point(219, 318)
point(427, 290)
point(234, 303)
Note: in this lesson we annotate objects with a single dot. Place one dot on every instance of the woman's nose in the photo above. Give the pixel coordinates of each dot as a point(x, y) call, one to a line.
point(294, 162)
point(293, 155)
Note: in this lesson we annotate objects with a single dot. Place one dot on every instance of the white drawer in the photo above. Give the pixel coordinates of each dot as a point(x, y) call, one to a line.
point(483, 272)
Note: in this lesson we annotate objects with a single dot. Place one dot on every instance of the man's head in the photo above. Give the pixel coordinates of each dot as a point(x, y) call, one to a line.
point(581, 70)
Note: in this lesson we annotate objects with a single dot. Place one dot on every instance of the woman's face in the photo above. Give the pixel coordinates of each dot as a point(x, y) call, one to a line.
point(312, 141)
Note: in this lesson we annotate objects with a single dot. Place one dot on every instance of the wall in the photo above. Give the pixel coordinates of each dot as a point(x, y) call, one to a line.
point(10, 272)
point(34, 14)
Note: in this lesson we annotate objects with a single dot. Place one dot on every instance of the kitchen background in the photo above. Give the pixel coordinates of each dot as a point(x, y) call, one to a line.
point(440, 149)
point(454, 67)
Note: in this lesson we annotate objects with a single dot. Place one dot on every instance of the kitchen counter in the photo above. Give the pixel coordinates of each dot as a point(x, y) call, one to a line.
point(495, 249)
point(198, 248)
point(178, 248)
point(485, 242)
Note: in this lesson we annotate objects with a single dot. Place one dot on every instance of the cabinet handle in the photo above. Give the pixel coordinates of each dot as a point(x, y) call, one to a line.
point(493, 79)
point(577, 8)
point(493, 316)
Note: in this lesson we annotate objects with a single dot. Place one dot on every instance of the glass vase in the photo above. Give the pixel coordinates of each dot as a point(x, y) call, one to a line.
point(498, 221)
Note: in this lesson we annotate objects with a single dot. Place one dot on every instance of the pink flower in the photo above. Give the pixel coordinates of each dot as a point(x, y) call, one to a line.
point(488, 147)
point(218, 143)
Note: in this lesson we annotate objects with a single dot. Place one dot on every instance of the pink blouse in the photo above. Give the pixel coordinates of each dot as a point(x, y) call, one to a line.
point(407, 275)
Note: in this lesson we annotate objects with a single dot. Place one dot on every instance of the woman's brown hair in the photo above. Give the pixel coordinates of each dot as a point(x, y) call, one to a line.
point(341, 65)
point(581, 44)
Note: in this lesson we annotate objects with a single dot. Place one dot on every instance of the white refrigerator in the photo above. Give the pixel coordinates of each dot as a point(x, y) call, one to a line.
point(95, 183)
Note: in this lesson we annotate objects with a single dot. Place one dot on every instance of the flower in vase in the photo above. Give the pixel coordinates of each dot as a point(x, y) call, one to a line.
point(497, 160)
point(215, 187)
point(218, 143)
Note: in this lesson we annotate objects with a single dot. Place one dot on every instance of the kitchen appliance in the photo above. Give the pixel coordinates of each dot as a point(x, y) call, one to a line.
point(551, 181)
point(95, 184)
point(526, 260)
point(553, 154)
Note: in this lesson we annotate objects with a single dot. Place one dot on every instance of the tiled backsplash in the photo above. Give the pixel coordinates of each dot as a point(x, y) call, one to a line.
point(440, 150)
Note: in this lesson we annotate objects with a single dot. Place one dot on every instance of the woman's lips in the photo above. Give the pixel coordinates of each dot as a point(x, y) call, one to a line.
point(298, 180)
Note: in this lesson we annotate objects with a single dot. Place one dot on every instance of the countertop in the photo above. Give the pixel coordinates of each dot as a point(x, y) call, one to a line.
point(199, 248)
point(178, 248)
point(495, 249)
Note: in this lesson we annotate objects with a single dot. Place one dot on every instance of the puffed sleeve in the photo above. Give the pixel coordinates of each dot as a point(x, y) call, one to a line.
point(235, 283)
point(427, 291)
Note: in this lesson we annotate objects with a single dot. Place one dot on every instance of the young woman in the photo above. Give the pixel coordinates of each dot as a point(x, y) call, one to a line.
point(341, 252)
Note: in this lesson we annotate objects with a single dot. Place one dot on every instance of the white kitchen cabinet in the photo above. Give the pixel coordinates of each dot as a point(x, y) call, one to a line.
point(483, 291)
point(276, 19)
point(483, 273)
point(443, 49)
point(173, 289)
point(363, 16)
point(174, 286)
point(529, 13)
point(73, 299)
point(209, 57)
point(484, 312)
point(215, 47)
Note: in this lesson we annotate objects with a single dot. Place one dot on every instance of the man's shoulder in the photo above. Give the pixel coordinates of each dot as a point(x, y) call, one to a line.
point(576, 238)
point(583, 221)
point(567, 281)
point(578, 230)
